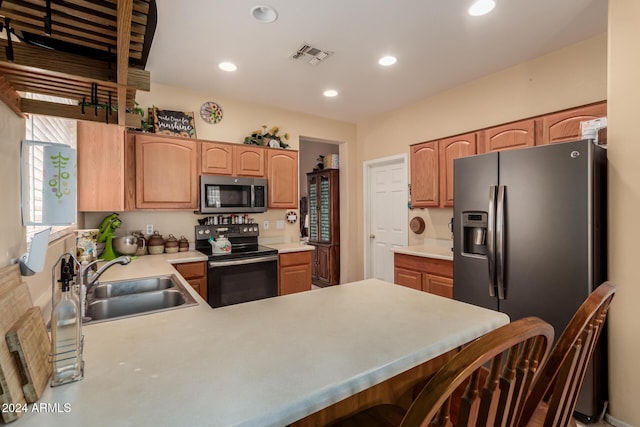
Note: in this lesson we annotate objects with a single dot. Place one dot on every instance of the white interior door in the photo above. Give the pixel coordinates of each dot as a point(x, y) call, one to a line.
point(385, 213)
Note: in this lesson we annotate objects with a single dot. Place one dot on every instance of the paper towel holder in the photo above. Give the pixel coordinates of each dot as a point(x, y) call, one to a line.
point(33, 261)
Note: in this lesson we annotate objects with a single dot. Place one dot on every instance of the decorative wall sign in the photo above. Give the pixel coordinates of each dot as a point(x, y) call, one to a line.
point(211, 112)
point(292, 217)
point(169, 122)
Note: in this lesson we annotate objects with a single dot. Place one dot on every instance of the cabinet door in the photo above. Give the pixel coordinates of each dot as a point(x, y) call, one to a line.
point(282, 176)
point(438, 285)
point(424, 175)
point(451, 149)
point(196, 274)
point(295, 272)
point(166, 173)
point(312, 190)
point(104, 168)
point(565, 125)
point(323, 264)
point(506, 137)
point(248, 160)
point(409, 278)
point(216, 158)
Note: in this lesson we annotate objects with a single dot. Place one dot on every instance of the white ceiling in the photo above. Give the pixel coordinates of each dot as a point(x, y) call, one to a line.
point(437, 44)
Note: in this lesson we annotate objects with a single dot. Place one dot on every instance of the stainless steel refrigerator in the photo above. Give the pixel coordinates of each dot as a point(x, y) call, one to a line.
point(530, 239)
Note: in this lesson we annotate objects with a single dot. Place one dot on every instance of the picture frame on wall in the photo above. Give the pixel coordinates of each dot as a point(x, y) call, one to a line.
point(177, 123)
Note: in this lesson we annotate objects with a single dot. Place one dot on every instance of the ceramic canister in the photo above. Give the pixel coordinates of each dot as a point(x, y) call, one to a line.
point(155, 244)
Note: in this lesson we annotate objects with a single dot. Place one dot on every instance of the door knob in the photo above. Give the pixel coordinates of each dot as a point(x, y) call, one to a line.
point(372, 236)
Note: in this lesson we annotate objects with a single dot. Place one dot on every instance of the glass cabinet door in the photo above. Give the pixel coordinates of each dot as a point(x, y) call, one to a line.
point(324, 220)
point(313, 209)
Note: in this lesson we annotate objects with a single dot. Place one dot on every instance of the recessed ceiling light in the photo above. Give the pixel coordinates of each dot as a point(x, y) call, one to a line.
point(330, 93)
point(481, 7)
point(263, 13)
point(387, 60)
point(227, 66)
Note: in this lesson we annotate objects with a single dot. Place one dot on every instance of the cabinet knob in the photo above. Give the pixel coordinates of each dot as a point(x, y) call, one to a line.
point(372, 236)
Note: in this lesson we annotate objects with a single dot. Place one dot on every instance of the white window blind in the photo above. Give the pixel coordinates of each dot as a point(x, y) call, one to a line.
point(46, 129)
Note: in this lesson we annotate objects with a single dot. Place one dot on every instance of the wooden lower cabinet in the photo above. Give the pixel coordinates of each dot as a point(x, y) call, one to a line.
point(294, 272)
point(426, 274)
point(196, 274)
point(325, 269)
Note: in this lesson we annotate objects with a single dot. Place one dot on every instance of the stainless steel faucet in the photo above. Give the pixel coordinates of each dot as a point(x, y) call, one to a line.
point(90, 281)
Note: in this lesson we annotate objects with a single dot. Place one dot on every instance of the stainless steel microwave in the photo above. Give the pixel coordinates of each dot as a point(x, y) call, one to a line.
point(230, 194)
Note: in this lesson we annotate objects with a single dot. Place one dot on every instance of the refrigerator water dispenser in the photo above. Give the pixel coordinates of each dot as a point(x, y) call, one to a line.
point(474, 233)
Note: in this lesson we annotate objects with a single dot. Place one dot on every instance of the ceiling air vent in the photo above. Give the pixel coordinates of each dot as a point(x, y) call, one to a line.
point(311, 54)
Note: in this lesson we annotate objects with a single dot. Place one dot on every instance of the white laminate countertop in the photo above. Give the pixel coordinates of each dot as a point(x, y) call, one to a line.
point(427, 250)
point(262, 363)
point(284, 248)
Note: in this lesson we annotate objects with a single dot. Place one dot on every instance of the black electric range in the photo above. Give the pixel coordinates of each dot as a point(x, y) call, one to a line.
point(248, 273)
point(243, 238)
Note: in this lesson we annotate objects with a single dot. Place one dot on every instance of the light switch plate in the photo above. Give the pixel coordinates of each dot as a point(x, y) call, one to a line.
point(265, 225)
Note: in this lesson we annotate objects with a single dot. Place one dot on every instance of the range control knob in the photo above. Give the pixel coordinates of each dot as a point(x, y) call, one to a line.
point(207, 231)
point(200, 232)
point(245, 229)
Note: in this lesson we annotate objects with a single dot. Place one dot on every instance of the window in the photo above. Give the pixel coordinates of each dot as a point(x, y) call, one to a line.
point(45, 129)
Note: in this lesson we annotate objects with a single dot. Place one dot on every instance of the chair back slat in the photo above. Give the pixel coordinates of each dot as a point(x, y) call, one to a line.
point(490, 398)
point(560, 379)
point(526, 343)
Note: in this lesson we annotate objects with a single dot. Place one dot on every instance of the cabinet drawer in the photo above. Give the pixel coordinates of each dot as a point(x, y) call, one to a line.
point(294, 258)
point(439, 267)
point(190, 270)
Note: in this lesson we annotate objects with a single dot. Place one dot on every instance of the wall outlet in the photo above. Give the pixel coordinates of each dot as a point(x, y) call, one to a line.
point(149, 229)
point(280, 224)
point(265, 225)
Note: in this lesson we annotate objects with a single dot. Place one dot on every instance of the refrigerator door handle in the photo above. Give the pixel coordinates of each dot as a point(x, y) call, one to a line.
point(491, 231)
point(500, 242)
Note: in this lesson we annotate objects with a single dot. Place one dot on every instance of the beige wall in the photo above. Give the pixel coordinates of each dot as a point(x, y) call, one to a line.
point(566, 78)
point(624, 205)
point(12, 130)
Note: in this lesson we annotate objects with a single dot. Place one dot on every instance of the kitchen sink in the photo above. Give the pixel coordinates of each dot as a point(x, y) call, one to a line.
point(126, 287)
point(126, 298)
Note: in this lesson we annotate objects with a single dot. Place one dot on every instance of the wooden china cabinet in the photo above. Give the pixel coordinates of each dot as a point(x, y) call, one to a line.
point(324, 226)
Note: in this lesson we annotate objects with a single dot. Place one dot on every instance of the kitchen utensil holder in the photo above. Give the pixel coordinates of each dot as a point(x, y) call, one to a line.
point(55, 356)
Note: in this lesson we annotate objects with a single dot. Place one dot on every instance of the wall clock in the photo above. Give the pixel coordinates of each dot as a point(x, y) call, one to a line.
point(211, 112)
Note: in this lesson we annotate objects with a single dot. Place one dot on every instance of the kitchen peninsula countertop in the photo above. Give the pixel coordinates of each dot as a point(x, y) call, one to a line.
point(427, 250)
point(268, 362)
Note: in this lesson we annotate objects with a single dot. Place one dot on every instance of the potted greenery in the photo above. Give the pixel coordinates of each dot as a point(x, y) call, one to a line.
point(270, 138)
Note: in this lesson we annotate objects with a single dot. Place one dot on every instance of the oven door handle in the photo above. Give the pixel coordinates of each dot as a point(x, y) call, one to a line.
point(215, 264)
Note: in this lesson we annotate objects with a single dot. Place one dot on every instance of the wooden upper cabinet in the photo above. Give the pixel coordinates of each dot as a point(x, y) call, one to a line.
point(232, 159)
point(506, 137)
point(105, 168)
point(248, 160)
point(565, 125)
point(424, 175)
point(216, 158)
point(450, 149)
point(166, 173)
point(282, 176)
